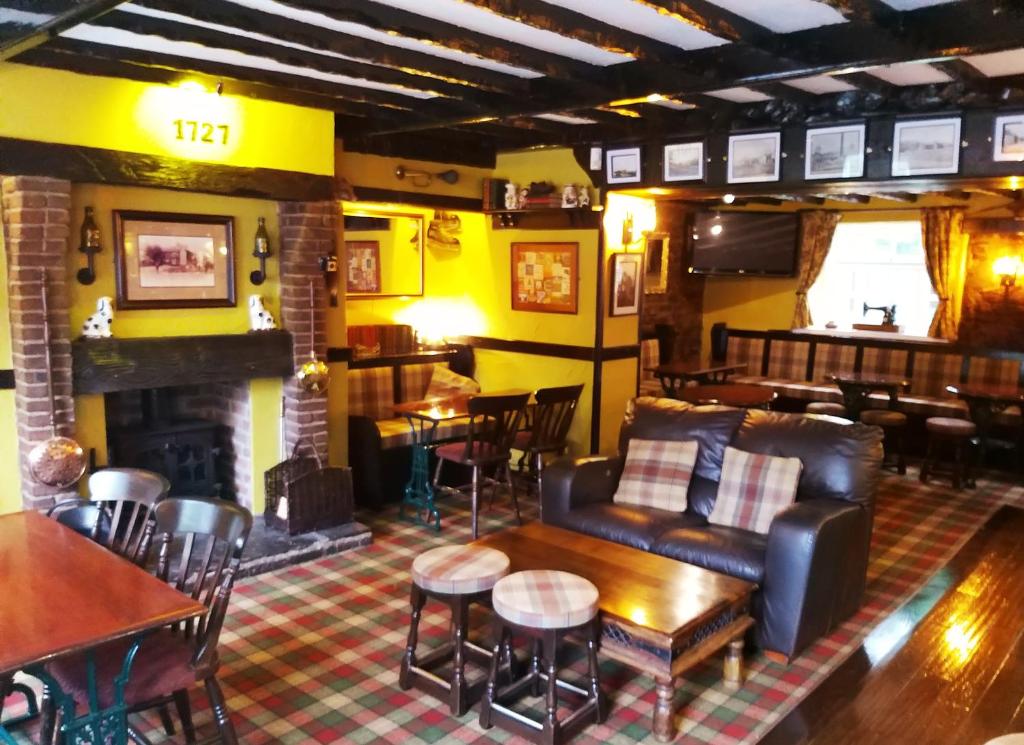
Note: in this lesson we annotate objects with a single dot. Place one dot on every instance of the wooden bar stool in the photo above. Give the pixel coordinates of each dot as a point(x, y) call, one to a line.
point(894, 425)
point(827, 408)
point(544, 606)
point(457, 576)
point(955, 435)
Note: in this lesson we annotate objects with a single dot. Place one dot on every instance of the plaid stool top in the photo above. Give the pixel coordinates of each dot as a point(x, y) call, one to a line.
point(883, 417)
point(459, 570)
point(545, 599)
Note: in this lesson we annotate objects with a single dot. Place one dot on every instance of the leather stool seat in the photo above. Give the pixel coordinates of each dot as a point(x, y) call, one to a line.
point(826, 407)
point(950, 427)
point(459, 570)
point(884, 418)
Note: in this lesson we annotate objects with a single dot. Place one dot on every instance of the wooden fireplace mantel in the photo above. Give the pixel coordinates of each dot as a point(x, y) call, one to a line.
point(107, 365)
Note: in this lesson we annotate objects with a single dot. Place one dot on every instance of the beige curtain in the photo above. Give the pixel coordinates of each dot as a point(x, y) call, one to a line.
point(945, 251)
point(816, 231)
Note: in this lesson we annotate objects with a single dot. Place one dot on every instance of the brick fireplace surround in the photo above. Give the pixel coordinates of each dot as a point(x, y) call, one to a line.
point(37, 235)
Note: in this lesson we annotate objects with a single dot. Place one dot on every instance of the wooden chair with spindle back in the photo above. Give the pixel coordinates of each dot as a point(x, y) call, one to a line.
point(199, 544)
point(493, 424)
point(128, 496)
point(552, 417)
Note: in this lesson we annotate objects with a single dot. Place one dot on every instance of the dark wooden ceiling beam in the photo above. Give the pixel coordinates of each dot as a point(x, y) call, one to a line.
point(847, 198)
point(866, 11)
point(895, 196)
point(32, 37)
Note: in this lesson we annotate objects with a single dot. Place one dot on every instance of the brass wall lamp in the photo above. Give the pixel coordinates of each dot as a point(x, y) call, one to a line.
point(425, 178)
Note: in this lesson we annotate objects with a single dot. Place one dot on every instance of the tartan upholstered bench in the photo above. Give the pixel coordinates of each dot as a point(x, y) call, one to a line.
point(544, 606)
point(457, 576)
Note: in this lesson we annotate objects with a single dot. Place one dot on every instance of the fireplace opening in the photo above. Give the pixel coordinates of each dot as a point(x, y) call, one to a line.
point(191, 435)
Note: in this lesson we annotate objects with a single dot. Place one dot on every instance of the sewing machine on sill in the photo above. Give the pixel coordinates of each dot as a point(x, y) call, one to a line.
point(888, 319)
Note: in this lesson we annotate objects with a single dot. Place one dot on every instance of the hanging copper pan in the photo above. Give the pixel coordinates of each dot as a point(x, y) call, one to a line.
point(57, 461)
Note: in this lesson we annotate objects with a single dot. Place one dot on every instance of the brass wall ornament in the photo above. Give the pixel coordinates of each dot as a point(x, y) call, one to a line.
point(313, 375)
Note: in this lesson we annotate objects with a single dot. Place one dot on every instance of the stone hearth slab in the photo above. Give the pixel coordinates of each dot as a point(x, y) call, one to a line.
point(268, 550)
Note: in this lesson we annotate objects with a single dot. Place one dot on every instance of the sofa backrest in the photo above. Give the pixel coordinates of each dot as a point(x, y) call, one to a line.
point(787, 359)
point(832, 358)
point(416, 379)
point(840, 461)
point(650, 356)
point(371, 393)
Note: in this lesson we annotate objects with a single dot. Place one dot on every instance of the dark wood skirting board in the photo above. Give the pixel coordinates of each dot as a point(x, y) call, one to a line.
point(911, 347)
point(99, 166)
point(944, 693)
point(107, 365)
point(6, 380)
point(420, 199)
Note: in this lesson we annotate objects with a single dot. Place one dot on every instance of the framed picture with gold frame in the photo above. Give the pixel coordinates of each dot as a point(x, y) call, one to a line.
point(173, 260)
point(545, 277)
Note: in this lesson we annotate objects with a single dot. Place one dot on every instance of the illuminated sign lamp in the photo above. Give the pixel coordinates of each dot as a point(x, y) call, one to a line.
point(1007, 268)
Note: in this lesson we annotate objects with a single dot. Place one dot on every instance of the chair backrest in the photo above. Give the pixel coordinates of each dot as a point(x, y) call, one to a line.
point(552, 416)
point(200, 544)
point(86, 518)
point(493, 423)
point(128, 496)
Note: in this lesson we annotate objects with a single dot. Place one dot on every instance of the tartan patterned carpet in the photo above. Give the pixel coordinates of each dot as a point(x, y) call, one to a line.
point(311, 653)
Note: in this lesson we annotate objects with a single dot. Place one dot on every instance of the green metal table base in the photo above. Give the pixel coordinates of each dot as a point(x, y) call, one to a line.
point(419, 492)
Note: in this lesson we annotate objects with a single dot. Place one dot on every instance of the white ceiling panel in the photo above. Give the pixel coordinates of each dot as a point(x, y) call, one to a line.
point(190, 50)
point(997, 64)
point(484, 21)
point(740, 95)
point(566, 119)
point(915, 4)
point(783, 16)
point(909, 73)
point(819, 84)
point(671, 103)
point(365, 32)
point(643, 20)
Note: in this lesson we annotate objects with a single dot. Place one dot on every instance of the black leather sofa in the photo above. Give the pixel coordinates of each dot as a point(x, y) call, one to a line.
point(812, 565)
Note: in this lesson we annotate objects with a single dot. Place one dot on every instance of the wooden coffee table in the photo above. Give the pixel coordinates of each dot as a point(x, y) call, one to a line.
point(658, 615)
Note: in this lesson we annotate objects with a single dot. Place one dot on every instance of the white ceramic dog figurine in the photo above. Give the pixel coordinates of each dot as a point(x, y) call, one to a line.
point(511, 196)
point(260, 318)
point(582, 196)
point(98, 325)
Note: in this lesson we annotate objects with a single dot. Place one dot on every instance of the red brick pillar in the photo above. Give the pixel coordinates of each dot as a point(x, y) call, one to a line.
point(307, 233)
point(36, 230)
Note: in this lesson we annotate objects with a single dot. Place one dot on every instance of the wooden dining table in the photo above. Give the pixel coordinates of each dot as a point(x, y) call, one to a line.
point(66, 595)
point(676, 374)
point(857, 387)
point(424, 416)
point(740, 395)
point(984, 402)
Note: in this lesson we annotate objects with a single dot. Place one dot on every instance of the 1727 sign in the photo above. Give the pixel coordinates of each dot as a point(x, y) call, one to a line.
point(187, 130)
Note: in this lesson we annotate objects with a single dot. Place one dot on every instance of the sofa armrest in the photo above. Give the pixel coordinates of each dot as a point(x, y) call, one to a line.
point(815, 571)
point(568, 483)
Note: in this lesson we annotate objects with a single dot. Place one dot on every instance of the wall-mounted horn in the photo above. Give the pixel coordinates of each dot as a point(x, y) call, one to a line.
point(425, 178)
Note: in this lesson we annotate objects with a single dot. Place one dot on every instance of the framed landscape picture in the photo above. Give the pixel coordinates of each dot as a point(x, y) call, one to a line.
point(362, 272)
point(1009, 138)
point(171, 260)
point(627, 281)
point(545, 277)
point(927, 146)
point(754, 158)
point(835, 152)
point(684, 162)
point(623, 166)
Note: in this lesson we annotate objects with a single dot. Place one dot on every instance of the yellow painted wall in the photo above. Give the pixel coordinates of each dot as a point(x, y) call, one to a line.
point(618, 386)
point(64, 107)
point(10, 495)
point(378, 172)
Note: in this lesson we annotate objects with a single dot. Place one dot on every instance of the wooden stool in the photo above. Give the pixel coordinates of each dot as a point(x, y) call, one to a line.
point(894, 424)
point(457, 576)
point(957, 433)
point(544, 606)
point(827, 408)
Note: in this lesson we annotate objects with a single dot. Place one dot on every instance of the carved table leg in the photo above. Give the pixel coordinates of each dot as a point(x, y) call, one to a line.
point(664, 711)
point(733, 673)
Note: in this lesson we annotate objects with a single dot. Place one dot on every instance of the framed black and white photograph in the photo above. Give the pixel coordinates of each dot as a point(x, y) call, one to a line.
point(927, 146)
point(627, 277)
point(622, 166)
point(173, 260)
point(754, 158)
point(684, 161)
point(1009, 138)
point(835, 152)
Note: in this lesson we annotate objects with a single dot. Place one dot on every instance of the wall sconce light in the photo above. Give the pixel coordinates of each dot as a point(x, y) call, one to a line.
point(329, 268)
point(261, 250)
point(424, 178)
point(1007, 268)
point(90, 246)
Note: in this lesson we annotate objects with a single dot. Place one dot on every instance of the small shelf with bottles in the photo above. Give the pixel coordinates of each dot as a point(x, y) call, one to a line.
point(544, 218)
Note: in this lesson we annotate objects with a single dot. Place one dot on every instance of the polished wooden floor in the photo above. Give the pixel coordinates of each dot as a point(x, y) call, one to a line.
point(948, 669)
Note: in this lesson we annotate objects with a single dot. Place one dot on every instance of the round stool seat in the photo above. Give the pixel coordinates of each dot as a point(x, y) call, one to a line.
point(950, 427)
point(459, 570)
point(826, 407)
point(545, 599)
point(884, 418)
point(1015, 738)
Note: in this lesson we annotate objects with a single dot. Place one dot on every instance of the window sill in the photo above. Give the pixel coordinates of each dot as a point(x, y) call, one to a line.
point(880, 335)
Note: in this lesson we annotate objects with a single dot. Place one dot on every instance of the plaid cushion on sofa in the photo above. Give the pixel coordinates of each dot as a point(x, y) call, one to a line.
point(371, 393)
point(416, 380)
point(743, 350)
point(993, 372)
point(754, 488)
point(831, 359)
point(444, 383)
point(649, 356)
point(884, 361)
point(787, 360)
point(933, 371)
point(657, 474)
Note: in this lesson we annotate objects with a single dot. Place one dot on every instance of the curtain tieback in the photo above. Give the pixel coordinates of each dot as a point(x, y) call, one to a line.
point(943, 298)
point(804, 292)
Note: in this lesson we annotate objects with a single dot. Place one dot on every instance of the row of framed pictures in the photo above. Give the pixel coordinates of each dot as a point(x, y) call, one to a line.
point(920, 147)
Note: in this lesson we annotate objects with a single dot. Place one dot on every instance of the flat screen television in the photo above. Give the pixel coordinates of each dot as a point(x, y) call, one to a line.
point(758, 243)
